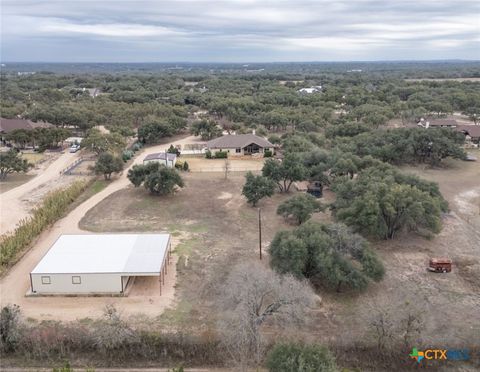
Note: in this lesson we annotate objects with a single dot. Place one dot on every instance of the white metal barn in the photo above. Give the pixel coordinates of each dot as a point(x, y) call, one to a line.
point(100, 263)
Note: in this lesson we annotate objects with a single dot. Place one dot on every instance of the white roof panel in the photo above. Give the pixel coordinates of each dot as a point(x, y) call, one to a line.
point(105, 253)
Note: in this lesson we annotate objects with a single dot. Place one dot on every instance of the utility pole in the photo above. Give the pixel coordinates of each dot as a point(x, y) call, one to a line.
point(260, 231)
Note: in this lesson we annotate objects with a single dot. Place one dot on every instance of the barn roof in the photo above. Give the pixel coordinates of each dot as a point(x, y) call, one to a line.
point(237, 141)
point(128, 254)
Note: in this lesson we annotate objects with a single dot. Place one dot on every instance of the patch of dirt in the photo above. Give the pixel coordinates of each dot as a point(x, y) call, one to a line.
point(224, 195)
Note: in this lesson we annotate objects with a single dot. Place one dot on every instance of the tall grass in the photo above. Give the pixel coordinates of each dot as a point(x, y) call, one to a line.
point(53, 208)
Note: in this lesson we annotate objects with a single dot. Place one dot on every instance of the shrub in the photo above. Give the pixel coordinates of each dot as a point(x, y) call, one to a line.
point(173, 150)
point(136, 146)
point(9, 328)
point(127, 155)
point(267, 153)
point(179, 165)
point(186, 167)
point(53, 207)
point(221, 155)
point(300, 358)
point(208, 154)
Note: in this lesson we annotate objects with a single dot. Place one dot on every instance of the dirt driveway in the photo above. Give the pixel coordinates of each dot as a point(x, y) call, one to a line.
point(12, 201)
point(15, 283)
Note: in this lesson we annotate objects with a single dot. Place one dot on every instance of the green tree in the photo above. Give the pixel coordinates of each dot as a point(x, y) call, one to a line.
point(300, 207)
point(382, 202)
point(326, 254)
point(107, 164)
point(473, 113)
point(138, 172)
point(284, 173)
point(173, 150)
point(20, 137)
point(154, 130)
point(156, 177)
point(164, 181)
point(257, 188)
point(12, 162)
point(207, 129)
point(99, 142)
point(300, 358)
point(50, 137)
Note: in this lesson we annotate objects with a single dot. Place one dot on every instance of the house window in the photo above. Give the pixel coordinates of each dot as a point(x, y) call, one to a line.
point(46, 280)
point(76, 280)
point(238, 150)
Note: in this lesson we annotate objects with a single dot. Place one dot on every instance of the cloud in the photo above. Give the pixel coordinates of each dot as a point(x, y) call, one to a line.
point(119, 30)
point(239, 30)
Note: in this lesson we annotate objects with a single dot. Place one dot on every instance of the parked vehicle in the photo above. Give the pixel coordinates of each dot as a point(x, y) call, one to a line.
point(74, 148)
point(440, 265)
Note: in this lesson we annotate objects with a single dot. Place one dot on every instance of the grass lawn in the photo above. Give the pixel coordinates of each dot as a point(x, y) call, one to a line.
point(33, 157)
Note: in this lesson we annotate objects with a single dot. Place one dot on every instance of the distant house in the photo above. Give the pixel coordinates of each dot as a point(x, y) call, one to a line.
point(9, 125)
point(164, 158)
point(314, 89)
point(240, 144)
point(471, 132)
point(93, 92)
point(437, 123)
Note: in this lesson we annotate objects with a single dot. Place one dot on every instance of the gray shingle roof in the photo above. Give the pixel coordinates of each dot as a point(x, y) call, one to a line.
point(472, 130)
point(9, 125)
point(442, 122)
point(237, 141)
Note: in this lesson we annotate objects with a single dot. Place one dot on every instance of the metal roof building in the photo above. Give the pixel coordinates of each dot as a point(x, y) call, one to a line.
point(164, 158)
point(100, 263)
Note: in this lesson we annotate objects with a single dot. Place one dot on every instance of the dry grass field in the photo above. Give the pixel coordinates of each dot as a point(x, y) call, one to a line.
point(216, 228)
point(14, 180)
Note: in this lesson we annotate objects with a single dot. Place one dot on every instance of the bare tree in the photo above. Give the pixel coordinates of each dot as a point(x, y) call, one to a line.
point(112, 332)
point(383, 326)
point(411, 325)
point(250, 296)
point(395, 325)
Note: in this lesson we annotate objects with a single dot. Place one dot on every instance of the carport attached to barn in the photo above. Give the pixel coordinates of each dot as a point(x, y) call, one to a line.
point(100, 263)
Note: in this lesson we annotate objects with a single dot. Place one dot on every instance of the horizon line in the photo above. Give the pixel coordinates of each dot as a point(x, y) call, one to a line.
point(253, 62)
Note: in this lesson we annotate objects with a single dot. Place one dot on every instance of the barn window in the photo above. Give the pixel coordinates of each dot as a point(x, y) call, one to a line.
point(76, 280)
point(46, 280)
point(238, 150)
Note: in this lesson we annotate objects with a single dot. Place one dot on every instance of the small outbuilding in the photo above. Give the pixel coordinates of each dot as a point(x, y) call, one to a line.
point(164, 158)
point(100, 264)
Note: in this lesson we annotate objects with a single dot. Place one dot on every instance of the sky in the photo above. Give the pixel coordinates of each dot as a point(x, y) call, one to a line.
point(238, 30)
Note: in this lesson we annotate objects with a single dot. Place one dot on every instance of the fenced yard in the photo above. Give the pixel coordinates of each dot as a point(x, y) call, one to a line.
point(197, 164)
